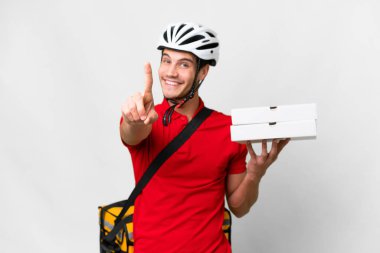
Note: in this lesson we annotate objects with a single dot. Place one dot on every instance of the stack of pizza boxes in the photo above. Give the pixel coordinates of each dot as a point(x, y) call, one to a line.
point(298, 122)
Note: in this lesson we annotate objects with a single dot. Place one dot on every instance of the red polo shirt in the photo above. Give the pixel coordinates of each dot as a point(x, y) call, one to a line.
point(181, 208)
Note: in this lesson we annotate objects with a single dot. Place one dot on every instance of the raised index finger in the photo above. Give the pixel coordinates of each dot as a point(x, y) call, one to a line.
point(148, 78)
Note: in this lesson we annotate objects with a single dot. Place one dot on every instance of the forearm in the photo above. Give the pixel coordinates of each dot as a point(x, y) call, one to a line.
point(245, 195)
point(133, 134)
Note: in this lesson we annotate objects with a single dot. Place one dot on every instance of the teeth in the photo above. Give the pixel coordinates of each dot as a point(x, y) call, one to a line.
point(171, 82)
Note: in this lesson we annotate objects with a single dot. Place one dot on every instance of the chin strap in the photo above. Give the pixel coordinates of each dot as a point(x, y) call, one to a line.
point(179, 102)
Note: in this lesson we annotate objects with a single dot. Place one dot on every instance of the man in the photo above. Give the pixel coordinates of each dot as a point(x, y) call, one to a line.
point(181, 209)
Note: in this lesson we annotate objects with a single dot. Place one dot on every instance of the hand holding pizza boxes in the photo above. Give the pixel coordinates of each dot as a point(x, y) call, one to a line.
point(274, 122)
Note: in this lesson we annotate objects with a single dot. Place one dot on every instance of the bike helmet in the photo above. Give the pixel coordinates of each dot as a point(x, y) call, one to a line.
point(193, 38)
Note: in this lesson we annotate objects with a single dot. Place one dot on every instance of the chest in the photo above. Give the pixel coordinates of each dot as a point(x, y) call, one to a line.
point(203, 158)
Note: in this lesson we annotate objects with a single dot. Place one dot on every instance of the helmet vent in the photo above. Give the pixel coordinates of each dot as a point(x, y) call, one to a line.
point(179, 29)
point(183, 34)
point(192, 39)
point(205, 41)
point(171, 33)
point(208, 46)
point(211, 35)
point(166, 36)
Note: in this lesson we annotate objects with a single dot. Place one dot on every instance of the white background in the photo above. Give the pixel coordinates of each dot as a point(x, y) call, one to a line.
point(67, 66)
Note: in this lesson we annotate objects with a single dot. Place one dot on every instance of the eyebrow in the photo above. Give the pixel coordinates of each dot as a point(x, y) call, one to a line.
point(182, 59)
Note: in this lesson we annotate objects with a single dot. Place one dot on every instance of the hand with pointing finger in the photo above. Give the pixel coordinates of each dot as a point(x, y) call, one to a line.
point(258, 165)
point(139, 108)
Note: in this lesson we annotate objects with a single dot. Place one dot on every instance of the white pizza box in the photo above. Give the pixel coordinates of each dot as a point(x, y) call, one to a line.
point(296, 130)
point(277, 114)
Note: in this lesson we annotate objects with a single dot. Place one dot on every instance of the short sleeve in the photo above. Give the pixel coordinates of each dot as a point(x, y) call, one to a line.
point(238, 163)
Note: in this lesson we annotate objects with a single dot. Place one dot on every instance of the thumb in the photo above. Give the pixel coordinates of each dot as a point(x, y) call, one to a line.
point(151, 118)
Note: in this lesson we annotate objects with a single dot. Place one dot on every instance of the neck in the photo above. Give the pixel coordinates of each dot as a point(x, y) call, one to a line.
point(189, 108)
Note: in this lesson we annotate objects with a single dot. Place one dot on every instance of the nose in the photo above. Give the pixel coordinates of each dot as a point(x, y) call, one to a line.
point(172, 70)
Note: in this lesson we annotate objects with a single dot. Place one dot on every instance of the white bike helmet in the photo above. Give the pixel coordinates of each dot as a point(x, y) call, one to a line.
point(193, 38)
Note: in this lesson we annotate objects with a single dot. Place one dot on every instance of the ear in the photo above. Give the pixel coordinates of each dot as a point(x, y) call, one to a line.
point(203, 72)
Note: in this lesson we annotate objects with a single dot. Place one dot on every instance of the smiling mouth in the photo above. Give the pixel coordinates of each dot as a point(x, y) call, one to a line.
point(172, 83)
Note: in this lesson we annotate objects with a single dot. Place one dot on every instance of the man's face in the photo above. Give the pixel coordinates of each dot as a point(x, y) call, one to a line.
point(176, 73)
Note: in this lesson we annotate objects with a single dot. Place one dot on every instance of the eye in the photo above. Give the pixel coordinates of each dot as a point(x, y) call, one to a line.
point(184, 65)
point(165, 60)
